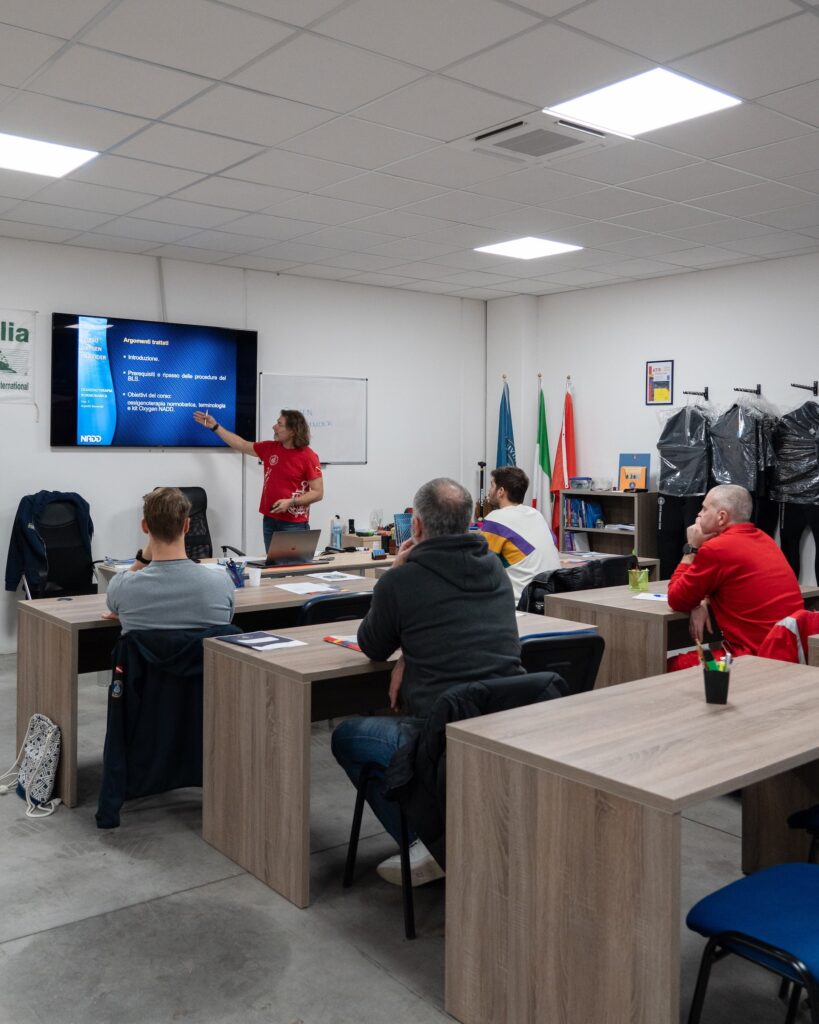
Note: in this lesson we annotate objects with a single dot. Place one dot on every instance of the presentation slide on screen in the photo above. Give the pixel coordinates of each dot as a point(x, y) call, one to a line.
point(139, 384)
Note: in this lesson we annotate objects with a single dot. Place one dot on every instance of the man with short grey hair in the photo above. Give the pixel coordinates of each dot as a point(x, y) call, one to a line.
point(732, 569)
point(447, 604)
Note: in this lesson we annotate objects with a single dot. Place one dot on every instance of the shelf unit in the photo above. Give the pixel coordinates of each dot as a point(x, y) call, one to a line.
point(637, 508)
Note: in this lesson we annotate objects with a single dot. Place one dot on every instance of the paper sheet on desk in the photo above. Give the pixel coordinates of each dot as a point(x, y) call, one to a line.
point(651, 597)
point(333, 576)
point(307, 588)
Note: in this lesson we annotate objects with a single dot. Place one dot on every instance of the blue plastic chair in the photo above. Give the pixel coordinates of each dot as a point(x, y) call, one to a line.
point(770, 918)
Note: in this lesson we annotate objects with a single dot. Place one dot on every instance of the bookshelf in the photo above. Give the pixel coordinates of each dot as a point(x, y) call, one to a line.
point(637, 509)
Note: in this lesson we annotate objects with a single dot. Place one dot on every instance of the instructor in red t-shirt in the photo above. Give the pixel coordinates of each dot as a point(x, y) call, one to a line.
point(292, 471)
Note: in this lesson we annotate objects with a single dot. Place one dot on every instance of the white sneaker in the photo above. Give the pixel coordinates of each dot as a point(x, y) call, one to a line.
point(423, 866)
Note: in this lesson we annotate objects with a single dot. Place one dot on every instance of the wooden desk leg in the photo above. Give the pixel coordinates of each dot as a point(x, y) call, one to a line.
point(47, 683)
point(256, 772)
point(562, 902)
point(766, 838)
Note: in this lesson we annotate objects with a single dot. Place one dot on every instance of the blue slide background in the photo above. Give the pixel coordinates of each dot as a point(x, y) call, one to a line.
point(141, 397)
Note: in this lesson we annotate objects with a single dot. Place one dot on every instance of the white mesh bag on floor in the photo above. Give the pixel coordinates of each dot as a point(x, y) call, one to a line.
point(35, 769)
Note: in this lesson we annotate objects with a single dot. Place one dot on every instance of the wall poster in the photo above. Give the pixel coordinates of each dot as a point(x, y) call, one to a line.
point(16, 347)
point(660, 382)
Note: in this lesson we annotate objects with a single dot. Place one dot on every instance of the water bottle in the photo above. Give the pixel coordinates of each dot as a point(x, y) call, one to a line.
point(335, 532)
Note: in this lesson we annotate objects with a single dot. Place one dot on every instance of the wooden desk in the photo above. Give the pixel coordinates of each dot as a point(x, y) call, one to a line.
point(813, 650)
point(58, 639)
point(563, 836)
point(257, 712)
point(638, 634)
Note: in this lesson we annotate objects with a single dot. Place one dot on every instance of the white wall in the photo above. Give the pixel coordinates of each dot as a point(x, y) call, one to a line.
point(424, 356)
point(733, 327)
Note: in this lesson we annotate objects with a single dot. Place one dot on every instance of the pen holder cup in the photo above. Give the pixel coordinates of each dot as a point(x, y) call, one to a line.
point(638, 579)
point(716, 686)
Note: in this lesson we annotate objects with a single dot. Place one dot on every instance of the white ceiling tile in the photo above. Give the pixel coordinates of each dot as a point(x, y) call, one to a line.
point(776, 244)
point(809, 181)
point(598, 233)
point(188, 252)
point(533, 287)
point(474, 261)
point(721, 232)
point(7, 204)
point(440, 108)
point(703, 179)
point(744, 202)
point(412, 249)
point(464, 207)
point(619, 163)
point(378, 280)
point(23, 53)
point(579, 278)
point(664, 29)
point(251, 116)
point(321, 209)
point(299, 252)
point(80, 194)
point(728, 131)
point(382, 190)
point(55, 216)
point(429, 33)
point(605, 203)
point(801, 102)
point(55, 17)
point(668, 218)
point(745, 67)
point(702, 256)
point(294, 12)
point(71, 124)
point(18, 185)
point(34, 232)
point(224, 241)
point(462, 235)
point(639, 268)
point(91, 240)
point(258, 263)
point(102, 79)
point(548, 8)
point(548, 65)
point(535, 186)
point(361, 143)
point(275, 229)
point(399, 222)
point(423, 271)
point(237, 195)
point(119, 172)
point(193, 35)
point(478, 279)
point(362, 261)
point(195, 215)
point(652, 245)
point(323, 272)
point(432, 287)
point(347, 238)
point(324, 73)
point(149, 230)
point(782, 159)
point(291, 170)
point(487, 294)
point(451, 167)
point(531, 220)
point(794, 218)
point(181, 147)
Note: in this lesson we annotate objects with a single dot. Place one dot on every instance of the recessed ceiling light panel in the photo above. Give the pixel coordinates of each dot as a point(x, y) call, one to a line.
point(643, 103)
point(35, 157)
point(528, 248)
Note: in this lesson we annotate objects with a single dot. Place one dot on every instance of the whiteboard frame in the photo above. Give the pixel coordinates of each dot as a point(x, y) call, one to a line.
point(308, 376)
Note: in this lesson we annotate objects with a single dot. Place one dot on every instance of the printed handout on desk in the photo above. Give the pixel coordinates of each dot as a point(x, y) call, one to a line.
point(333, 576)
point(651, 597)
point(307, 588)
point(262, 641)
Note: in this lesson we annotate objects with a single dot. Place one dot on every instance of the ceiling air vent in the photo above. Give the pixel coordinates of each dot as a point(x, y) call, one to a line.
point(537, 138)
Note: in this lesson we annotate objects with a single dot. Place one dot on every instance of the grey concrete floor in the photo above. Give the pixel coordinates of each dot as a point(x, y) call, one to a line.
point(148, 924)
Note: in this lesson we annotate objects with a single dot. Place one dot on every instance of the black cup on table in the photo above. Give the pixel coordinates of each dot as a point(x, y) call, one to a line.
point(716, 686)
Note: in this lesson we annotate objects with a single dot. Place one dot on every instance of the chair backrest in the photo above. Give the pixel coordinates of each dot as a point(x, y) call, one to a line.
point(575, 657)
point(599, 572)
point(334, 608)
point(787, 640)
point(70, 569)
point(198, 543)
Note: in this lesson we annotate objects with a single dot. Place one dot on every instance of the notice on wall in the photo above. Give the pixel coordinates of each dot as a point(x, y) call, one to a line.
point(16, 348)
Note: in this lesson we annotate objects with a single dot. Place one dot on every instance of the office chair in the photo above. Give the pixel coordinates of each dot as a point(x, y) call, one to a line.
point(416, 776)
point(787, 640)
point(198, 543)
point(69, 568)
point(575, 657)
point(769, 918)
point(598, 572)
point(334, 608)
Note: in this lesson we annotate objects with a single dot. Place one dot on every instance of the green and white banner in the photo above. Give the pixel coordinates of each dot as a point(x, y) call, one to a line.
point(16, 354)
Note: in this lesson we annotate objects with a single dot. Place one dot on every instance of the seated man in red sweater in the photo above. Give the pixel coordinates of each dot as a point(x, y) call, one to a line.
point(734, 570)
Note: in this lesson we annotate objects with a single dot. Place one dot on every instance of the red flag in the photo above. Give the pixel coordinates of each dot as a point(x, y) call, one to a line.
point(564, 461)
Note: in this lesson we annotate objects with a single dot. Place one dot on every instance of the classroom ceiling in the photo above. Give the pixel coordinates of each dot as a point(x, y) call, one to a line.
point(337, 139)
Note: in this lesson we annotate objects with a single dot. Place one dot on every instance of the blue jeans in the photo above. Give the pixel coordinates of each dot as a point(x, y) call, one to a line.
point(359, 740)
point(271, 526)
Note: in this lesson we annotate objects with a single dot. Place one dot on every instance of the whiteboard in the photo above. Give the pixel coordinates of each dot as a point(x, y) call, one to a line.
point(334, 407)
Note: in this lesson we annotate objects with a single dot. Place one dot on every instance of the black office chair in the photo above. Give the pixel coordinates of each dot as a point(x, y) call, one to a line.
point(198, 543)
point(334, 608)
point(575, 657)
point(69, 569)
point(153, 739)
point(600, 572)
point(416, 776)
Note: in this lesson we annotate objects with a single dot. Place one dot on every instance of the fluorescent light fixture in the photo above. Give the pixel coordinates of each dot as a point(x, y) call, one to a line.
point(35, 157)
point(643, 103)
point(528, 248)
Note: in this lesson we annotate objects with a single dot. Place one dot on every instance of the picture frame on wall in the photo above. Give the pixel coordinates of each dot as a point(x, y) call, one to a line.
point(660, 382)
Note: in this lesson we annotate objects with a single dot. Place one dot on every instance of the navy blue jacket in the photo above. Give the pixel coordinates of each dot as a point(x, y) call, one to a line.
point(27, 552)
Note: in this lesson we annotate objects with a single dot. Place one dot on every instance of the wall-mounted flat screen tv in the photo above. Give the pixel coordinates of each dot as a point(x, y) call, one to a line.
point(119, 383)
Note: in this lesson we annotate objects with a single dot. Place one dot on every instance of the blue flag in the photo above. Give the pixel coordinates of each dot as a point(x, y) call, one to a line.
point(506, 436)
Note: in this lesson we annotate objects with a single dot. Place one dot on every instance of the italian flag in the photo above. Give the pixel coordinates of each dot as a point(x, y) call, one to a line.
point(542, 473)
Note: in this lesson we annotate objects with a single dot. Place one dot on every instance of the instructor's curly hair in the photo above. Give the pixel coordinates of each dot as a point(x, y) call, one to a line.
point(296, 422)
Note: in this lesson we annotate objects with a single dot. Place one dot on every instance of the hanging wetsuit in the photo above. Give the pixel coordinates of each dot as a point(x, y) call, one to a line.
point(683, 448)
point(796, 480)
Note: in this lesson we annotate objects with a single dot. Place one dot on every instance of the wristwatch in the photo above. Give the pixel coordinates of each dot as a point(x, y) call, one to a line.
point(215, 426)
point(689, 549)
point(140, 558)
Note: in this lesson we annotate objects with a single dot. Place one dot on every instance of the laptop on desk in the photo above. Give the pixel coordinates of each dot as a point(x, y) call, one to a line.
point(291, 547)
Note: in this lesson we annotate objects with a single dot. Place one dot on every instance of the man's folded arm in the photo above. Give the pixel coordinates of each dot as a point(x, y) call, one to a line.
point(691, 583)
point(378, 634)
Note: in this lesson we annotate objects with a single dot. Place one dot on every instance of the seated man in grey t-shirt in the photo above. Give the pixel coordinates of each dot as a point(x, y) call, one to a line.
point(163, 589)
